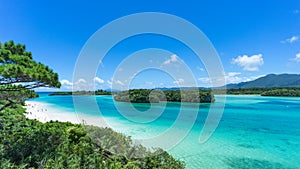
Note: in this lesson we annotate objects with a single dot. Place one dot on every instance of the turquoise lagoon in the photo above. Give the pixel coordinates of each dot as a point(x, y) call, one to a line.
point(254, 132)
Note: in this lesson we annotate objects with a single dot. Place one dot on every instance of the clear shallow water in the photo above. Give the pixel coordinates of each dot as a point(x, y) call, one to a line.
point(254, 132)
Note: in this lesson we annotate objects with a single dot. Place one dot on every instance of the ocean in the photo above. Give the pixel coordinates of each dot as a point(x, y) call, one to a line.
point(254, 131)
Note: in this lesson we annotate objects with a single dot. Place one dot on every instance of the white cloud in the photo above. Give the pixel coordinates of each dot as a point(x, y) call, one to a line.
point(173, 59)
point(249, 63)
point(98, 80)
point(179, 82)
point(109, 82)
point(119, 82)
point(200, 69)
point(230, 77)
point(297, 58)
point(80, 84)
point(66, 82)
point(290, 40)
point(81, 81)
point(204, 80)
point(212, 81)
point(231, 74)
point(46, 89)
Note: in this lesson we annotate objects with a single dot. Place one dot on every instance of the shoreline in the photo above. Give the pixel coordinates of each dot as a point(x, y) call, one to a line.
point(44, 113)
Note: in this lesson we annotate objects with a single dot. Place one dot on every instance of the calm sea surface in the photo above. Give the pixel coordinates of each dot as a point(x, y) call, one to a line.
point(254, 132)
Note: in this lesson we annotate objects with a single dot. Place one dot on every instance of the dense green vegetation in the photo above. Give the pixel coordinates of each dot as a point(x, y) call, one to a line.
point(289, 92)
point(247, 91)
point(278, 91)
point(19, 73)
point(97, 92)
point(155, 96)
point(26, 143)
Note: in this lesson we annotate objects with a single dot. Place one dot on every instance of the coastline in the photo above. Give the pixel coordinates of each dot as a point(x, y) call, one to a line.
point(190, 152)
point(44, 113)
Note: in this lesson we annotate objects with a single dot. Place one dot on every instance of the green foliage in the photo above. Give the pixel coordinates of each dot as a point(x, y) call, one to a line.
point(289, 92)
point(19, 73)
point(155, 96)
point(278, 91)
point(14, 94)
point(17, 66)
point(247, 91)
point(116, 143)
point(164, 158)
point(28, 143)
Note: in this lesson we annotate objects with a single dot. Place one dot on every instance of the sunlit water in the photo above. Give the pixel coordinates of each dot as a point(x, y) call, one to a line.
point(254, 132)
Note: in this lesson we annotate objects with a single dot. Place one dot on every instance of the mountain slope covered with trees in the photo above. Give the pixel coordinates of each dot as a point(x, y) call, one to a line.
point(271, 80)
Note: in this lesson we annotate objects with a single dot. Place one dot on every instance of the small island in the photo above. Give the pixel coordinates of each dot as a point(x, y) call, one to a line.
point(156, 96)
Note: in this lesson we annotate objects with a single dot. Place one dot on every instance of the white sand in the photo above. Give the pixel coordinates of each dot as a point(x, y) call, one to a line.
point(44, 112)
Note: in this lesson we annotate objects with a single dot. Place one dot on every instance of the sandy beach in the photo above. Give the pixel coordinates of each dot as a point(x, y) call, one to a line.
point(44, 112)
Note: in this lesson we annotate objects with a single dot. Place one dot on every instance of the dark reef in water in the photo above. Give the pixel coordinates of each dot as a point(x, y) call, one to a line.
point(246, 163)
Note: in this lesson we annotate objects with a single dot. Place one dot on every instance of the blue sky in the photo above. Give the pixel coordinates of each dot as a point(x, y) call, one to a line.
point(253, 38)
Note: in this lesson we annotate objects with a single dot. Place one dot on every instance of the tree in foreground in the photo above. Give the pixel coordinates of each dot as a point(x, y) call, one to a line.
point(19, 74)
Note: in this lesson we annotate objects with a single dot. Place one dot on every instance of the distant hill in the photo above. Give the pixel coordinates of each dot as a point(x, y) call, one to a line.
point(271, 80)
point(268, 81)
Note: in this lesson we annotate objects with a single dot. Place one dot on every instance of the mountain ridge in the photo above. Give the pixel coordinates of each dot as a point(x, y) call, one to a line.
point(269, 81)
